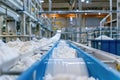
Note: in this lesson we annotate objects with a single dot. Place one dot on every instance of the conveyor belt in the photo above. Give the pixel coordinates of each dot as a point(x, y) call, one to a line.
point(96, 68)
point(108, 58)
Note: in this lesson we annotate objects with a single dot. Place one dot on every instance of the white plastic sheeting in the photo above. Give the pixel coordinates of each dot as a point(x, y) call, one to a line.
point(74, 66)
point(103, 37)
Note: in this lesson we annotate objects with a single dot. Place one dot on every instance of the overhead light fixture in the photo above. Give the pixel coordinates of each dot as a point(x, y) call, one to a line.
point(41, 1)
point(71, 18)
point(17, 15)
point(99, 13)
point(82, 0)
point(87, 1)
point(85, 13)
point(77, 10)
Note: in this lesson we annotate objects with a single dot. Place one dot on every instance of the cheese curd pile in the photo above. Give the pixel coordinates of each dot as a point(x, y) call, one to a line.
point(6, 53)
point(67, 77)
point(64, 51)
point(14, 49)
point(24, 47)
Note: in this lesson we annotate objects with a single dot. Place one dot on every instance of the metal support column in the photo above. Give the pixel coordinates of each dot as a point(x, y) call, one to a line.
point(29, 5)
point(40, 32)
point(23, 23)
point(15, 27)
point(29, 28)
point(118, 19)
point(6, 30)
point(46, 34)
point(29, 24)
point(111, 18)
point(50, 5)
point(1, 24)
point(49, 34)
point(79, 22)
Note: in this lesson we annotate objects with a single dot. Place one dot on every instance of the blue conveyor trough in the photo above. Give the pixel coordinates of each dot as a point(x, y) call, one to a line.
point(96, 68)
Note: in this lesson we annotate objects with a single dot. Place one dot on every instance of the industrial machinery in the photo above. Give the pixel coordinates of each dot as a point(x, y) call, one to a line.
point(95, 67)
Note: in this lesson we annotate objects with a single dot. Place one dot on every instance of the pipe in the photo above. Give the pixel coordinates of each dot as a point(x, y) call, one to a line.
point(111, 18)
point(103, 20)
point(73, 5)
point(117, 18)
point(76, 12)
point(50, 5)
point(101, 23)
point(79, 22)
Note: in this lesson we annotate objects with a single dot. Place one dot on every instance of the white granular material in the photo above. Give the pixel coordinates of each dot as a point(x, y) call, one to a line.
point(67, 77)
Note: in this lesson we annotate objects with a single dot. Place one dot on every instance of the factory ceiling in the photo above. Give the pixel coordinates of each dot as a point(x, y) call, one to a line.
point(73, 4)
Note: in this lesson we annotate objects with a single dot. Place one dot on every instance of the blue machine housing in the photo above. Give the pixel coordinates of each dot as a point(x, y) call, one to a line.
point(96, 68)
point(111, 46)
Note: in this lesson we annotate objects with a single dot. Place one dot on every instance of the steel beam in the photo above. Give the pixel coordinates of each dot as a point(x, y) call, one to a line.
point(79, 11)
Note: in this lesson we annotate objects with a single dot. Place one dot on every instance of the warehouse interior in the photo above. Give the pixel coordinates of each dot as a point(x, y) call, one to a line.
point(59, 39)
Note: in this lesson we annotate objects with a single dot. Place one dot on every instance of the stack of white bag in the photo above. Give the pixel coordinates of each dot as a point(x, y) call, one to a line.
point(64, 51)
point(6, 53)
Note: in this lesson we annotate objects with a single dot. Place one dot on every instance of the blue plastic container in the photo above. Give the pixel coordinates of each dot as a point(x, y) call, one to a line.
point(111, 46)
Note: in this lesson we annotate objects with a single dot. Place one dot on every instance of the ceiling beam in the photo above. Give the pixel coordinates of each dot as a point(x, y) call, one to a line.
point(99, 4)
point(66, 5)
point(57, 5)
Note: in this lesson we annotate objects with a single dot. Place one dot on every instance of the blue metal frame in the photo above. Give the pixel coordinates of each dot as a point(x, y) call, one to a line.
point(111, 46)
